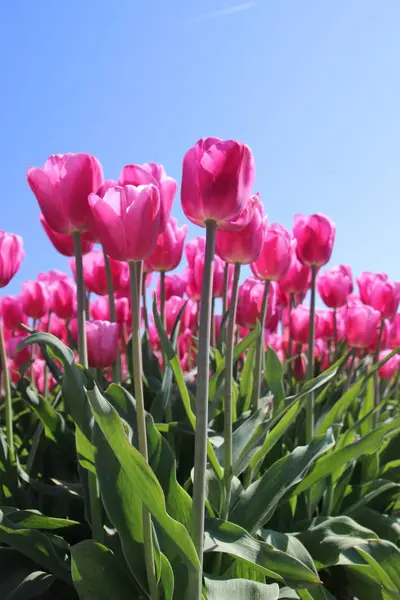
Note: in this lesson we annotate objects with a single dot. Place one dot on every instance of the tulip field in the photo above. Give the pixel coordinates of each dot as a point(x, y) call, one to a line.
point(194, 419)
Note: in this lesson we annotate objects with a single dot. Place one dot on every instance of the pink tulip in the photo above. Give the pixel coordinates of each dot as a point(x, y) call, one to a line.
point(11, 255)
point(18, 358)
point(127, 221)
point(12, 313)
point(168, 251)
point(385, 297)
point(55, 326)
point(102, 342)
point(299, 324)
point(380, 341)
point(63, 298)
point(243, 246)
point(195, 254)
point(299, 368)
point(62, 187)
point(175, 285)
point(52, 276)
point(94, 272)
point(217, 180)
point(327, 320)
point(123, 288)
point(365, 282)
point(35, 299)
point(361, 325)
point(189, 316)
point(64, 242)
point(187, 350)
point(100, 311)
point(391, 367)
point(315, 235)
point(249, 304)
point(13, 370)
point(394, 337)
point(274, 260)
point(335, 286)
point(297, 279)
point(152, 173)
point(40, 372)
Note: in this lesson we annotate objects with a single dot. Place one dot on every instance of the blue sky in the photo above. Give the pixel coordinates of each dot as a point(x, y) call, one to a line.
point(313, 87)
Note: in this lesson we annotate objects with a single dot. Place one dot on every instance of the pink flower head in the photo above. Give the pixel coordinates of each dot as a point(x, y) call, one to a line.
point(64, 242)
point(63, 298)
point(52, 276)
point(154, 174)
point(19, 358)
point(40, 372)
point(391, 367)
point(12, 313)
point(385, 297)
point(195, 254)
point(175, 285)
point(34, 299)
point(217, 181)
point(394, 337)
point(276, 253)
point(94, 272)
point(300, 321)
point(172, 308)
point(380, 341)
point(297, 279)
point(127, 221)
point(168, 251)
point(11, 255)
point(249, 303)
point(315, 235)
point(62, 187)
point(335, 286)
point(365, 282)
point(243, 246)
point(102, 342)
point(361, 325)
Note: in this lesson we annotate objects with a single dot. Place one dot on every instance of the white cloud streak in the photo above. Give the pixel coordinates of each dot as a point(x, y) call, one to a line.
point(226, 12)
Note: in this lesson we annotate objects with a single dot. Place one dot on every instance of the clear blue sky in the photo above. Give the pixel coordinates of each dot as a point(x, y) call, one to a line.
point(313, 87)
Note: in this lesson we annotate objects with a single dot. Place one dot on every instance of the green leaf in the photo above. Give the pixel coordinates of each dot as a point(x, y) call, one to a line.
point(98, 575)
point(260, 499)
point(20, 578)
point(246, 379)
point(226, 537)
point(240, 589)
point(274, 377)
point(362, 495)
point(341, 406)
point(135, 473)
point(289, 544)
point(385, 526)
point(167, 578)
point(33, 519)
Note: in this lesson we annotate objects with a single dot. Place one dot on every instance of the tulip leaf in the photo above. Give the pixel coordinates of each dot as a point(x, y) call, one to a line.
point(238, 589)
point(274, 377)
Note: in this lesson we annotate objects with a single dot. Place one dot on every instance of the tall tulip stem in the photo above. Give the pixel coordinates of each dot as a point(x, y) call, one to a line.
point(144, 300)
point(136, 277)
point(260, 350)
point(113, 315)
point(228, 408)
point(200, 453)
point(226, 290)
point(335, 334)
point(82, 343)
point(7, 394)
point(310, 364)
point(162, 297)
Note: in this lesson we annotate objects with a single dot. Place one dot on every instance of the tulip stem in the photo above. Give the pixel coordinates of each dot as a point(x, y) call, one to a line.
point(162, 297)
point(228, 408)
point(311, 360)
point(7, 394)
point(144, 300)
point(290, 365)
point(226, 289)
point(212, 332)
point(376, 360)
point(82, 344)
point(260, 350)
point(113, 315)
point(200, 452)
point(136, 278)
point(335, 334)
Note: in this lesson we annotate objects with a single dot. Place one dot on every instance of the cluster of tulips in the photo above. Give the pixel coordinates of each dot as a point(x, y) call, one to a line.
point(104, 304)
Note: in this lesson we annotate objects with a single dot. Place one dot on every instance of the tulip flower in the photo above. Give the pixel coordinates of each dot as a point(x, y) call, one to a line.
point(152, 174)
point(217, 181)
point(52, 276)
point(23, 356)
point(385, 297)
point(64, 242)
point(315, 235)
point(361, 325)
point(365, 282)
point(63, 298)
point(102, 341)
point(168, 251)
point(12, 312)
point(11, 255)
point(250, 299)
point(391, 367)
point(335, 286)
point(275, 257)
point(299, 324)
point(195, 254)
point(175, 285)
point(381, 338)
point(189, 316)
point(394, 336)
point(297, 279)
point(40, 374)
point(62, 187)
point(34, 299)
point(94, 273)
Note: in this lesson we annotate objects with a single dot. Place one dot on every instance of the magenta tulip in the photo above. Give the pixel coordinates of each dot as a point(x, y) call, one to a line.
point(394, 336)
point(385, 297)
point(299, 324)
point(168, 251)
point(175, 285)
point(335, 286)
point(64, 242)
point(152, 173)
point(63, 298)
point(102, 342)
point(274, 260)
point(365, 282)
point(297, 279)
point(189, 316)
point(11, 255)
point(315, 235)
point(217, 182)
point(391, 367)
point(62, 187)
point(19, 358)
point(35, 299)
point(249, 305)
point(127, 221)
point(94, 273)
point(12, 312)
point(361, 325)
point(244, 246)
point(195, 254)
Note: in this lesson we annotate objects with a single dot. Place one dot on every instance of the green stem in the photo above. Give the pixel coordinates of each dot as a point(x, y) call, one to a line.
point(82, 344)
point(136, 277)
point(162, 297)
point(335, 335)
point(260, 350)
point(226, 289)
point(290, 365)
point(200, 453)
point(212, 332)
point(144, 301)
point(7, 394)
point(228, 408)
point(113, 315)
point(376, 380)
point(310, 364)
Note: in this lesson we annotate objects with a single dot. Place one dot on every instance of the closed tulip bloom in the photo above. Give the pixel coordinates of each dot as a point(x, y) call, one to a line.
point(11, 255)
point(315, 235)
point(23, 356)
point(94, 272)
point(63, 298)
point(175, 285)
point(385, 297)
point(394, 335)
point(299, 368)
point(334, 287)
point(127, 221)
point(327, 321)
point(217, 181)
point(391, 367)
point(299, 324)
point(365, 282)
point(361, 325)
point(102, 343)
point(249, 303)
point(154, 174)
point(52, 276)
point(62, 187)
point(55, 326)
point(195, 254)
point(122, 290)
point(243, 246)
point(40, 373)
point(276, 253)
point(12, 312)
point(168, 251)
point(380, 341)
point(35, 299)
point(173, 306)
point(100, 310)
point(64, 242)
point(297, 279)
